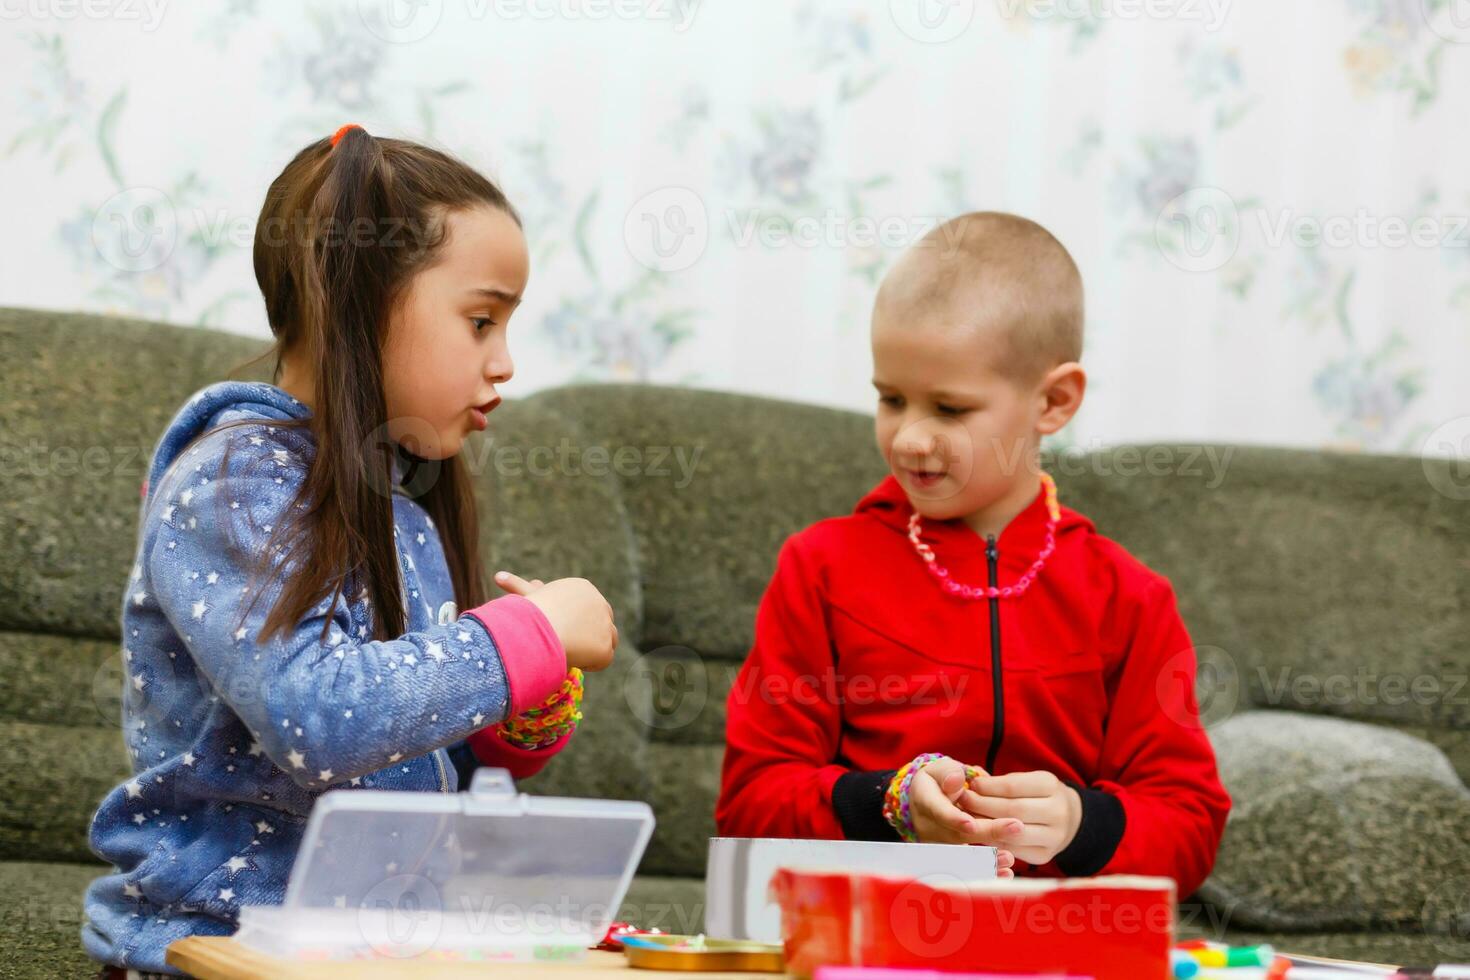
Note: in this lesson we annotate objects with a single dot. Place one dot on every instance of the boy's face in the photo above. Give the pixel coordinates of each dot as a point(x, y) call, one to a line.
point(957, 432)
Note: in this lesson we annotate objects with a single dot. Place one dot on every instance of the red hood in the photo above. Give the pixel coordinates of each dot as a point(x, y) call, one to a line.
point(889, 504)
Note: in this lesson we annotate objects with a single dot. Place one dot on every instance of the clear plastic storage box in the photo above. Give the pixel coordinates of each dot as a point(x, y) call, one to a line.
point(487, 874)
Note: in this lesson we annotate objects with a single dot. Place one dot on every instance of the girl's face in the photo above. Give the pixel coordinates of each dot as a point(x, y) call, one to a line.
point(446, 346)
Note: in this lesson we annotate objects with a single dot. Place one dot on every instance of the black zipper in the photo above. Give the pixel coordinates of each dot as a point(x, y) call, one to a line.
point(998, 726)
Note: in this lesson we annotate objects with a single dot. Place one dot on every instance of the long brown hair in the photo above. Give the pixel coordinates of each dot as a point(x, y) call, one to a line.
point(341, 234)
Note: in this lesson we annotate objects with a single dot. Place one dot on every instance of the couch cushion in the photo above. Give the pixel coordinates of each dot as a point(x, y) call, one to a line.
point(51, 679)
point(685, 695)
point(52, 777)
point(713, 483)
point(41, 906)
point(85, 401)
point(1330, 583)
point(542, 519)
point(61, 749)
point(1338, 825)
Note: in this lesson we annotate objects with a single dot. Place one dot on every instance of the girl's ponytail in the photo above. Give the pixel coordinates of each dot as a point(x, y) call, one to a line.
point(345, 279)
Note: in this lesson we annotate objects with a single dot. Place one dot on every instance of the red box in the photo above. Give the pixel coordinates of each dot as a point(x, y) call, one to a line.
point(1116, 927)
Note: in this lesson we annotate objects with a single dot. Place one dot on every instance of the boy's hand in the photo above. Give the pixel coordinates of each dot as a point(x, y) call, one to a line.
point(938, 818)
point(1050, 810)
point(579, 614)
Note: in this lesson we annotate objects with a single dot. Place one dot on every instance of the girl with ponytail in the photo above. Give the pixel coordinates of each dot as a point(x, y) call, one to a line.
point(292, 623)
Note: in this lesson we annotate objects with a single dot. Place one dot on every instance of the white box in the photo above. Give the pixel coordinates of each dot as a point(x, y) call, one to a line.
point(739, 872)
point(490, 874)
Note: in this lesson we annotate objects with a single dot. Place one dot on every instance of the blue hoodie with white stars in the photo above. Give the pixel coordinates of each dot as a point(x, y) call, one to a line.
point(231, 740)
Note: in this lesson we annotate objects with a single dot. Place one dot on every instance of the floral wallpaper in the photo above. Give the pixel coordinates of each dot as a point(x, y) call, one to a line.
point(1270, 203)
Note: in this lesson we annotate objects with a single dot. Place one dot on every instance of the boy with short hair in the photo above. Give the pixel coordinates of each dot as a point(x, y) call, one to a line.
point(1003, 674)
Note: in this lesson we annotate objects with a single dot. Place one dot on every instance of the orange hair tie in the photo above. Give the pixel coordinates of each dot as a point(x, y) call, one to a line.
point(337, 136)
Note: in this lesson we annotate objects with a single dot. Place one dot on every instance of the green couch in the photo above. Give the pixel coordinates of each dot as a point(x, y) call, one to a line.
point(1299, 573)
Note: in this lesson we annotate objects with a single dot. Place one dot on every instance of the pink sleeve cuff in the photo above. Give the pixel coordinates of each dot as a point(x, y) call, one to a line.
point(535, 663)
point(492, 750)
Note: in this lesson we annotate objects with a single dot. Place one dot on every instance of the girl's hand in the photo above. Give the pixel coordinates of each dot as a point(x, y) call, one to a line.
point(1050, 809)
point(581, 617)
point(935, 799)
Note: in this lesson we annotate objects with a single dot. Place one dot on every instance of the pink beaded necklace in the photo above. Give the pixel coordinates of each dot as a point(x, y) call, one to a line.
point(1053, 512)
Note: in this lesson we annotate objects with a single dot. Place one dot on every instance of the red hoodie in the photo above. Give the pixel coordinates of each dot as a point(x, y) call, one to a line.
point(861, 662)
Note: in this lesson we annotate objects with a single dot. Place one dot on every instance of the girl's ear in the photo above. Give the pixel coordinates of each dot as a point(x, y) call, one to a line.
point(1062, 389)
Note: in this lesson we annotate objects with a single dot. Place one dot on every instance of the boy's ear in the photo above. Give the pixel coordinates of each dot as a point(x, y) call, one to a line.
point(1062, 389)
